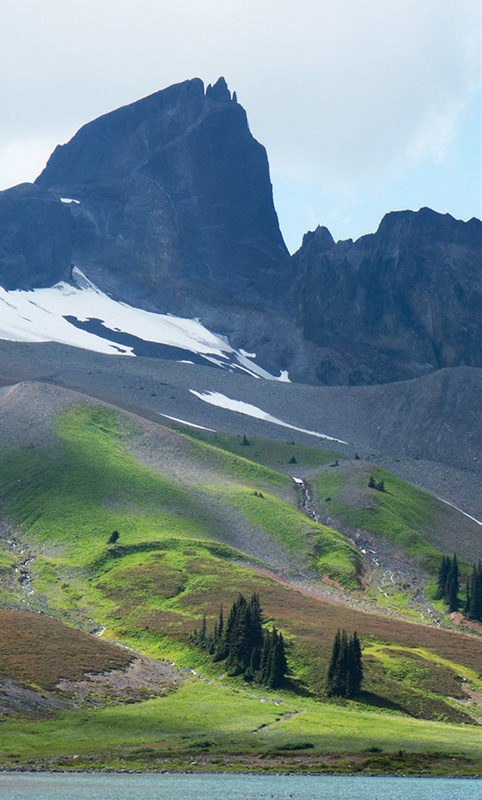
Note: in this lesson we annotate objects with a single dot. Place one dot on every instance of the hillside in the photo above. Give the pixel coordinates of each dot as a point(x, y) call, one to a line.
point(202, 517)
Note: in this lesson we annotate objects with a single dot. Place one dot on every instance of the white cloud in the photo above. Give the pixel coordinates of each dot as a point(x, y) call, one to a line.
point(344, 95)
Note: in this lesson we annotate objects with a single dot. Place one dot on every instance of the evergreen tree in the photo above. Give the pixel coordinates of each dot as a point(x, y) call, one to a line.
point(478, 601)
point(277, 661)
point(345, 671)
point(466, 610)
point(335, 652)
point(475, 609)
point(341, 669)
point(355, 666)
point(442, 577)
point(451, 595)
point(264, 663)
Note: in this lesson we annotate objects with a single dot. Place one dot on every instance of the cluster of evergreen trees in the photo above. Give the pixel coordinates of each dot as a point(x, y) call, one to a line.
point(473, 603)
point(378, 485)
point(345, 673)
point(247, 648)
point(448, 583)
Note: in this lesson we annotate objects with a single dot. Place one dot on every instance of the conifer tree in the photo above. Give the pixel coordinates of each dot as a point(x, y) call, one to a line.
point(221, 622)
point(345, 671)
point(475, 610)
point(330, 678)
point(355, 666)
point(466, 610)
point(444, 574)
point(452, 586)
point(276, 663)
point(341, 669)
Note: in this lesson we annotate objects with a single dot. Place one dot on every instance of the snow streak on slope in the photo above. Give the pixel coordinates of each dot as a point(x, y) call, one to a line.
point(83, 316)
point(189, 424)
point(220, 400)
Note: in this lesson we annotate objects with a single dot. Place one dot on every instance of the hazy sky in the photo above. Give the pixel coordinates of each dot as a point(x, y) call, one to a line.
point(364, 106)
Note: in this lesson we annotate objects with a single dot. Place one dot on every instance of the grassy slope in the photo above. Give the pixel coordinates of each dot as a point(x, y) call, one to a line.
point(266, 452)
point(153, 587)
point(404, 515)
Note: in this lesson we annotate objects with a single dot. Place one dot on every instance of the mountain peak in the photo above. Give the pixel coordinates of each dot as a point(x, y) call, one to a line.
point(219, 93)
point(175, 202)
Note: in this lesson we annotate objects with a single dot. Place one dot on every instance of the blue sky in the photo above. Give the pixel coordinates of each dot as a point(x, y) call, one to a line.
point(364, 106)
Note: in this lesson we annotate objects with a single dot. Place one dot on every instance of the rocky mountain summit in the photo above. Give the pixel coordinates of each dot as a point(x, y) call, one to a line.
point(166, 204)
point(396, 304)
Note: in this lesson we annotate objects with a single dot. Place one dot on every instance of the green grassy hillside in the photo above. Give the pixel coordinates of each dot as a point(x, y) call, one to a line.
point(401, 514)
point(189, 527)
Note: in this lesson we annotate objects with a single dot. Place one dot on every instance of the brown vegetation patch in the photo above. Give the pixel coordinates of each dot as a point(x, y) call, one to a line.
point(310, 625)
point(144, 581)
point(35, 649)
point(170, 622)
point(307, 616)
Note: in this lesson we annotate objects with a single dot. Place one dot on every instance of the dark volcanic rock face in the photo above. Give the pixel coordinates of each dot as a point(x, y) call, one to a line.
point(176, 206)
point(394, 305)
point(35, 238)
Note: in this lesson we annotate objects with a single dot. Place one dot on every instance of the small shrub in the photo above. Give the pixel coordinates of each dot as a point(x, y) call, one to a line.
point(113, 537)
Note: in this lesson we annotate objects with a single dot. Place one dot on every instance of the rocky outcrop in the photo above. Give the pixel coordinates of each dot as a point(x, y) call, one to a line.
point(393, 305)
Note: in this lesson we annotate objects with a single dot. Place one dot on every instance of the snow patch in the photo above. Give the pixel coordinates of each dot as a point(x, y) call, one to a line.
point(185, 422)
point(459, 509)
point(41, 315)
point(222, 401)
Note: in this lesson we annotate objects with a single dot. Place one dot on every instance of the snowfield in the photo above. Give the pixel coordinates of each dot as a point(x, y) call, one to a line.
point(62, 313)
point(220, 400)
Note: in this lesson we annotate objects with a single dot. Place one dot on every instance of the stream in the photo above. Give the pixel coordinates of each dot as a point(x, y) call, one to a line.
point(389, 569)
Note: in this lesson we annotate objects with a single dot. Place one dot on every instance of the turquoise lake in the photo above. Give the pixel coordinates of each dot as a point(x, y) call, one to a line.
point(42, 786)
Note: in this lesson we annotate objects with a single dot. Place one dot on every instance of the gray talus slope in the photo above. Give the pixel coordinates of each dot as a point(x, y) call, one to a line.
point(434, 418)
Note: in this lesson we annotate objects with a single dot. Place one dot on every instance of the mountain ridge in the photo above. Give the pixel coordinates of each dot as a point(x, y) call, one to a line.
point(167, 204)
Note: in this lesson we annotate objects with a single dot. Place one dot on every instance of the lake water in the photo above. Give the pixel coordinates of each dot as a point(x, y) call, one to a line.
point(41, 786)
